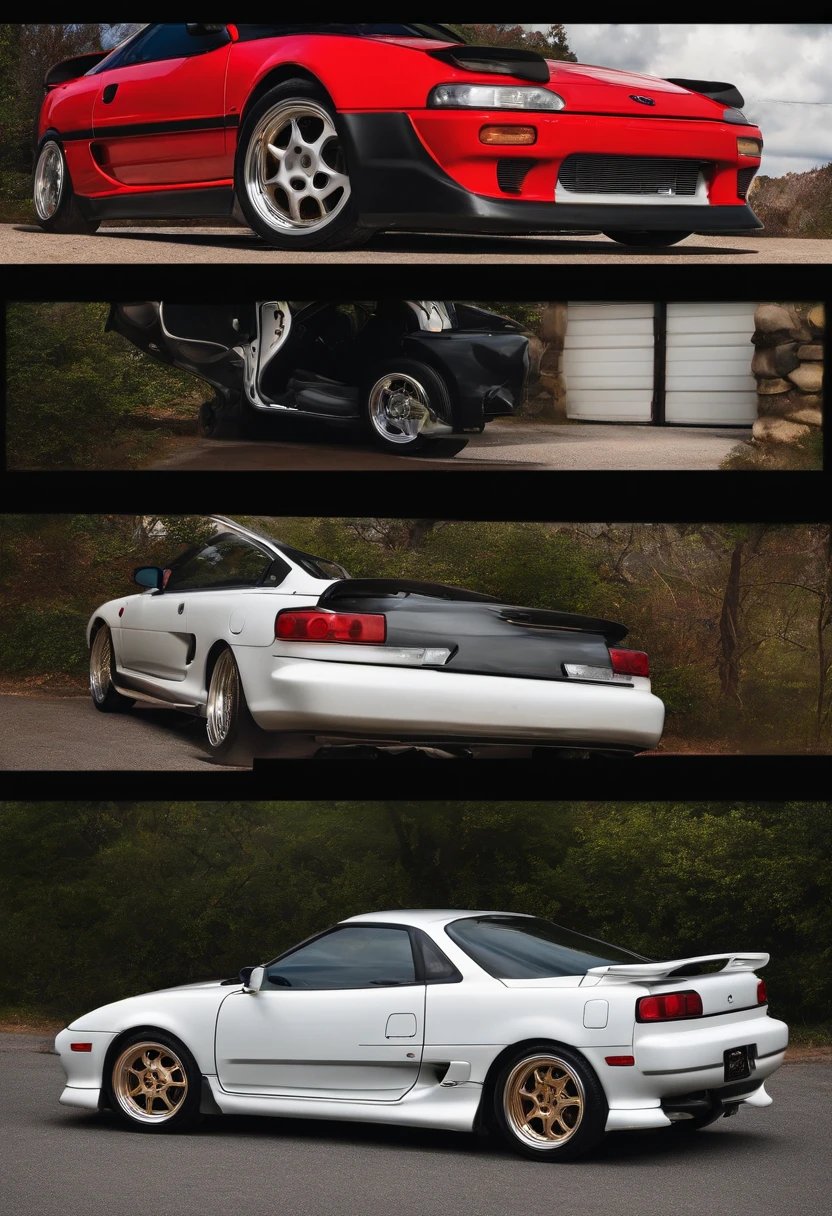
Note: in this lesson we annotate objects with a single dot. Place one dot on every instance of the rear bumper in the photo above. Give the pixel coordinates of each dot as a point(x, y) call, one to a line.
point(429, 171)
point(357, 700)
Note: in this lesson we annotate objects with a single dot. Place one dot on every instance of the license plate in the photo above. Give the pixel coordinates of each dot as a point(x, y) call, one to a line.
point(738, 1063)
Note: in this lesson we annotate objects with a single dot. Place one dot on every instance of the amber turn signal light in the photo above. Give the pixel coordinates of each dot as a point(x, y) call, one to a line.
point(508, 135)
point(749, 147)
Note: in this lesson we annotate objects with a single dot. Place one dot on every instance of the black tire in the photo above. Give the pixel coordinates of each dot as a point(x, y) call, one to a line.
point(186, 1109)
point(105, 698)
point(579, 1138)
point(238, 739)
point(60, 211)
point(343, 230)
point(648, 240)
point(218, 419)
point(436, 394)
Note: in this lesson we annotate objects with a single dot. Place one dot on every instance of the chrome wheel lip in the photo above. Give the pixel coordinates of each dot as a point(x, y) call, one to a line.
point(155, 1077)
point(223, 699)
point(385, 401)
point(101, 665)
point(50, 181)
point(262, 169)
point(517, 1079)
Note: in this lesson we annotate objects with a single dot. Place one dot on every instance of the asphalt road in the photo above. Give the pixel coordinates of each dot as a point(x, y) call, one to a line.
point(503, 445)
point(64, 1162)
point(54, 733)
point(25, 243)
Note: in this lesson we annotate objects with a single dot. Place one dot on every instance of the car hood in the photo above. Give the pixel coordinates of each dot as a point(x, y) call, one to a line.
point(112, 1016)
point(589, 89)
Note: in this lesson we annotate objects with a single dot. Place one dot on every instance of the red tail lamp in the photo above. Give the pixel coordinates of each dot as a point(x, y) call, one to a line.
point(668, 1006)
point(630, 662)
point(294, 625)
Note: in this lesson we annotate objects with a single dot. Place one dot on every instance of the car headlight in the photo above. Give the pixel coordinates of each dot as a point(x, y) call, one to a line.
point(493, 97)
point(749, 147)
point(735, 116)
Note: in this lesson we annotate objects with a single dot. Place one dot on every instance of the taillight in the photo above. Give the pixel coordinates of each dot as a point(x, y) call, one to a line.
point(762, 995)
point(312, 626)
point(668, 1006)
point(80, 1047)
point(630, 662)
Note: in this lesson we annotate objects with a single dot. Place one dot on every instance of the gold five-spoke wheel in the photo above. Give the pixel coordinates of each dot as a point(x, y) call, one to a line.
point(544, 1101)
point(150, 1082)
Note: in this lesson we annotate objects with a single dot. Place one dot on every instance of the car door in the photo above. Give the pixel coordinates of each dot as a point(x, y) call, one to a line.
point(159, 115)
point(341, 1017)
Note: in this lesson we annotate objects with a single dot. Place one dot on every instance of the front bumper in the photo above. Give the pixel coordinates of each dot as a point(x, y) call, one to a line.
point(84, 1070)
point(356, 700)
point(429, 171)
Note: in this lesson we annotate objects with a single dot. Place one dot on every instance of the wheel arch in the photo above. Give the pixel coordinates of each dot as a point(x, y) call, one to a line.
point(483, 1119)
point(278, 75)
point(214, 652)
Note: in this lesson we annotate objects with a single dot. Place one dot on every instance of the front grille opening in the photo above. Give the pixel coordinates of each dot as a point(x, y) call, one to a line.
point(657, 175)
point(744, 179)
point(512, 172)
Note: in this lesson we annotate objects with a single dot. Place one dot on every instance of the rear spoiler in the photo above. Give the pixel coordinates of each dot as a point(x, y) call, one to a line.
point(681, 966)
point(523, 65)
point(531, 618)
point(374, 588)
point(72, 69)
point(717, 90)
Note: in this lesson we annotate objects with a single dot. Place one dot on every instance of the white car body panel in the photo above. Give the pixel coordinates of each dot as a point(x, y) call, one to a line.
point(336, 690)
point(419, 1054)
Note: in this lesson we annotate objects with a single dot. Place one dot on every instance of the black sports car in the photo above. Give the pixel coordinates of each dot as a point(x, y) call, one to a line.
point(412, 372)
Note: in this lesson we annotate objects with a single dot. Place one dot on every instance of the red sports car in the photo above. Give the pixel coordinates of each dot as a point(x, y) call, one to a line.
point(320, 135)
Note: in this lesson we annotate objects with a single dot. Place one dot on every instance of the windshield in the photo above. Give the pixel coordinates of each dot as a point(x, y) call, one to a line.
point(440, 33)
point(521, 948)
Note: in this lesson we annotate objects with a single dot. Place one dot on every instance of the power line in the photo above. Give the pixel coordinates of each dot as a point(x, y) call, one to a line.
point(779, 101)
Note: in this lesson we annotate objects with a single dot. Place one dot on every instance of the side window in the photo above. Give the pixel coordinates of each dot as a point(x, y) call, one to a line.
point(228, 561)
point(352, 957)
point(172, 42)
point(438, 967)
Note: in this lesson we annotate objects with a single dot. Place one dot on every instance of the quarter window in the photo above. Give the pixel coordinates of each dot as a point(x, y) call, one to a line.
point(352, 957)
point(229, 561)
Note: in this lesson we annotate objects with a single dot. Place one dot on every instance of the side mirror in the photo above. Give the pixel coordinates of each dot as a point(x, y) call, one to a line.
point(199, 31)
point(150, 576)
point(256, 976)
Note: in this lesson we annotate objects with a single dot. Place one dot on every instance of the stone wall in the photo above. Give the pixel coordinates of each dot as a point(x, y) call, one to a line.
point(546, 395)
point(788, 367)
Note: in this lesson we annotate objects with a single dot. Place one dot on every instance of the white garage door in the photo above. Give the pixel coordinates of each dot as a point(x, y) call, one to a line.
point(608, 362)
point(709, 354)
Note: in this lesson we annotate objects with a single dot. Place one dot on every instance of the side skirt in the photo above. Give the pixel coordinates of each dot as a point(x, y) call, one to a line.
point(217, 201)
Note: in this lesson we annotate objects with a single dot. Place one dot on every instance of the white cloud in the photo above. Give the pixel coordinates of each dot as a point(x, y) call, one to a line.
point(773, 66)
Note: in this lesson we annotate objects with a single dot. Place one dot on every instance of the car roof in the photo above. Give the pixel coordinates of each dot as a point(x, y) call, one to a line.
point(422, 918)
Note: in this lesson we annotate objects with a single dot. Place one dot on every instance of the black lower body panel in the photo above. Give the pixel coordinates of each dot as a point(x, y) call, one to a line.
point(397, 184)
point(216, 201)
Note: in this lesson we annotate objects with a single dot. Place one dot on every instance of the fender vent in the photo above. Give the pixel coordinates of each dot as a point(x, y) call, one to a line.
point(744, 179)
point(512, 172)
point(585, 174)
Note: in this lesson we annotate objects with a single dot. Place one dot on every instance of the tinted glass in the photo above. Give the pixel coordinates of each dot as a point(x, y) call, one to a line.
point(438, 968)
point(515, 948)
point(318, 567)
point(249, 33)
point(229, 561)
point(348, 958)
point(172, 42)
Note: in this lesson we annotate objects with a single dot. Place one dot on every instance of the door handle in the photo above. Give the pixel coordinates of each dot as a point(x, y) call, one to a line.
point(109, 93)
point(181, 609)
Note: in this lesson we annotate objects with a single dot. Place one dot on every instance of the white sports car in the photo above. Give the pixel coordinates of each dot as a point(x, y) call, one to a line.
point(466, 1021)
point(264, 641)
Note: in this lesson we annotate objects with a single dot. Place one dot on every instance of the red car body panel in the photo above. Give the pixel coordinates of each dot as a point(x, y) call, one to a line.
point(174, 124)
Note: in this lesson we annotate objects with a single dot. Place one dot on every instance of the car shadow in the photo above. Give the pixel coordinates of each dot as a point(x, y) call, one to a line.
point(706, 1148)
point(420, 243)
point(187, 727)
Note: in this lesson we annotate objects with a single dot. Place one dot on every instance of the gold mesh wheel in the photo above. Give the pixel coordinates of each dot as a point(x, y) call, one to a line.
point(543, 1101)
point(150, 1082)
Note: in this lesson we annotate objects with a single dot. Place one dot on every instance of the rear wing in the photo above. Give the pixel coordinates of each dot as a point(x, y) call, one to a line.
point(375, 588)
point(681, 966)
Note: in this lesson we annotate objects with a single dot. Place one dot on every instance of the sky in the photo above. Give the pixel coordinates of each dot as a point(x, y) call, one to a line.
point(771, 65)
